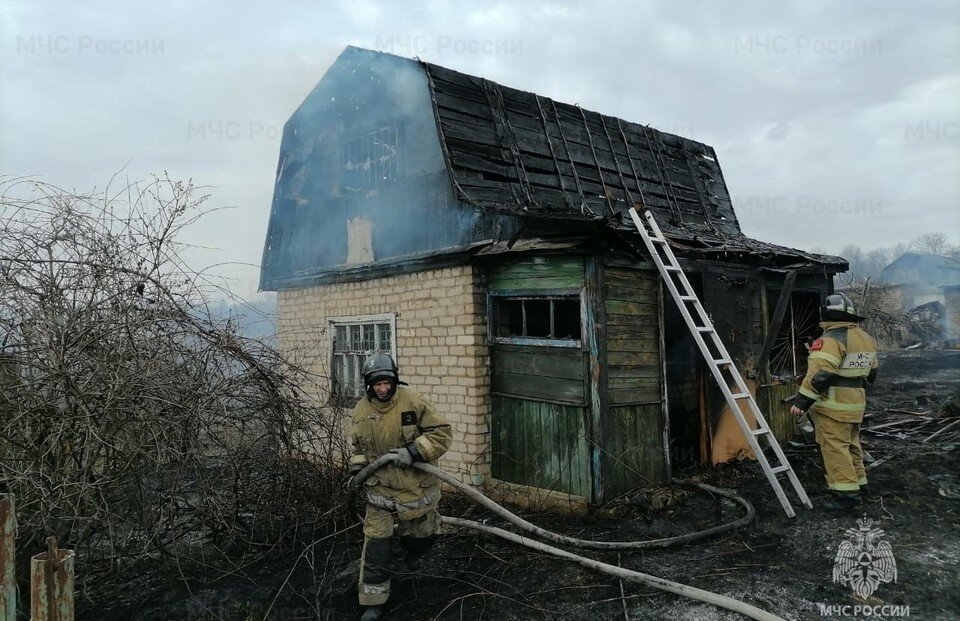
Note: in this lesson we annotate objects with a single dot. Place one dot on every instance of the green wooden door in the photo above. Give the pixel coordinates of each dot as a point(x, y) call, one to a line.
point(538, 382)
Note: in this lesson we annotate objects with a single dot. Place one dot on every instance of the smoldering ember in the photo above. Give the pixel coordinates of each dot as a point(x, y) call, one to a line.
point(551, 314)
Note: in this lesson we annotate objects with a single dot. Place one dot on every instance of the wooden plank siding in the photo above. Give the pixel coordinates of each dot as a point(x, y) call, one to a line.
point(634, 448)
point(546, 411)
point(540, 394)
point(633, 336)
point(537, 274)
point(781, 421)
point(595, 332)
point(540, 444)
point(552, 374)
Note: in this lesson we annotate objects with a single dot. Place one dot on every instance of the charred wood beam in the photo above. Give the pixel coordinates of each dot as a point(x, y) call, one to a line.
point(593, 151)
point(616, 162)
point(633, 168)
point(778, 316)
point(437, 118)
point(517, 235)
point(660, 166)
point(595, 330)
point(566, 147)
point(505, 136)
point(553, 154)
point(698, 183)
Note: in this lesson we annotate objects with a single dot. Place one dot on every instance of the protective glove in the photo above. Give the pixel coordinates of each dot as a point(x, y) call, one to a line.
point(404, 457)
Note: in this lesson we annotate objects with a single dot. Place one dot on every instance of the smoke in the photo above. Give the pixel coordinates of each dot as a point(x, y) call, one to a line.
point(363, 145)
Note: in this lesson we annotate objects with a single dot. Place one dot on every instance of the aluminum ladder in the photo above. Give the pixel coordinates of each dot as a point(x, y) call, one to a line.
point(718, 359)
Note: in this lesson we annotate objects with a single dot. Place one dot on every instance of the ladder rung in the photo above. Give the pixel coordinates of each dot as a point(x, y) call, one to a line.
point(704, 329)
point(672, 268)
point(658, 240)
point(720, 361)
point(759, 432)
point(779, 469)
point(741, 395)
point(688, 298)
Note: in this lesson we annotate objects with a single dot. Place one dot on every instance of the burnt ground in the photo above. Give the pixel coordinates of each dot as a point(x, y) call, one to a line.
point(780, 564)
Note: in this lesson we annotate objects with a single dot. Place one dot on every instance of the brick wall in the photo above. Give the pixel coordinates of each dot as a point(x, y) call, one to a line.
point(440, 339)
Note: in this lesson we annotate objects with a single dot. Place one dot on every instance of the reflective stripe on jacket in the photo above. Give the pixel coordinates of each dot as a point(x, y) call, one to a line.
point(379, 427)
point(838, 367)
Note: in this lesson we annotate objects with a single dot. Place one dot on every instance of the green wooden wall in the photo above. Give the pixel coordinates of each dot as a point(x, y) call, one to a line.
point(633, 336)
point(540, 444)
point(633, 444)
point(536, 273)
point(634, 448)
point(538, 408)
point(555, 374)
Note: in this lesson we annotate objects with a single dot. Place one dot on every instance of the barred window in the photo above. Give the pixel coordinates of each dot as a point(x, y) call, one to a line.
point(371, 159)
point(355, 338)
point(537, 320)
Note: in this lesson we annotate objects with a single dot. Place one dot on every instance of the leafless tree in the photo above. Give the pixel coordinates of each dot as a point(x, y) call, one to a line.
point(880, 304)
point(132, 420)
point(933, 243)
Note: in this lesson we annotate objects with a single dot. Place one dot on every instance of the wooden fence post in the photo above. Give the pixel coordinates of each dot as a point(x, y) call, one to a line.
point(8, 557)
point(51, 584)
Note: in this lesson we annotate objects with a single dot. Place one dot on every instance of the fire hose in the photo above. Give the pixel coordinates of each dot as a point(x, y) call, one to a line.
point(619, 572)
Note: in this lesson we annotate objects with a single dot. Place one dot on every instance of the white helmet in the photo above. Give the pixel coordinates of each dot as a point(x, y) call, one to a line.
point(838, 307)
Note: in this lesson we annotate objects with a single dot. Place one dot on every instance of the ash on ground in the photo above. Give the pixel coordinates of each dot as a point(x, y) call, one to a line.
point(779, 564)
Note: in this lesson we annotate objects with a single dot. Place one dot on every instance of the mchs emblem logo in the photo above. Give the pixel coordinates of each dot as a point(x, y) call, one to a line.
point(864, 562)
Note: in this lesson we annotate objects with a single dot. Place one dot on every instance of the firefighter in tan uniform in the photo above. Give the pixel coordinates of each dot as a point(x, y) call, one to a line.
point(394, 419)
point(841, 363)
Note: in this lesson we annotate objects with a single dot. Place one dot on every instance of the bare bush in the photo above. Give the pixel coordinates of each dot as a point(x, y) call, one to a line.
point(881, 306)
point(132, 420)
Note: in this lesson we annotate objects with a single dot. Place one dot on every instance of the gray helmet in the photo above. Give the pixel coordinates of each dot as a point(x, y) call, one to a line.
point(838, 307)
point(377, 367)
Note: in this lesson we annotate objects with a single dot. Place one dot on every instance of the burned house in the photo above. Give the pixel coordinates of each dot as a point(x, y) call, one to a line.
point(919, 278)
point(481, 235)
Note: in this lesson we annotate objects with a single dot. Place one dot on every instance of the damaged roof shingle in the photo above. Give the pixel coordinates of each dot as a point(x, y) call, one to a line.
point(520, 153)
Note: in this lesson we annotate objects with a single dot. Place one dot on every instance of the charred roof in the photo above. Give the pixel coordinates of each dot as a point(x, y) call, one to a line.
point(526, 154)
point(443, 162)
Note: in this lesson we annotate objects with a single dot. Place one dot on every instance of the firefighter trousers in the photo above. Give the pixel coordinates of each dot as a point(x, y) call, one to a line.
point(416, 537)
point(842, 456)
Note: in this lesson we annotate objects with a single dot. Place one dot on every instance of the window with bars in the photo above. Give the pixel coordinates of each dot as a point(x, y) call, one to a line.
point(800, 326)
point(355, 338)
point(546, 320)
point(371, 160)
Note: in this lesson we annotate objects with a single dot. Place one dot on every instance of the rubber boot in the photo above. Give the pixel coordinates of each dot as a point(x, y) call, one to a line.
point(414, 548)
point(842, 501)
point(372, 613)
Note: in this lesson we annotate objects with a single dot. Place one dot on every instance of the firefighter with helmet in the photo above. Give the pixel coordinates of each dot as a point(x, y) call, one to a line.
point(840, 365)
point(394, 419)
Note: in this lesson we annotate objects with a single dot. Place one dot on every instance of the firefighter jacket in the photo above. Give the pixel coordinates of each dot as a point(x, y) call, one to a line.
point(406, 419)
point(840, 365)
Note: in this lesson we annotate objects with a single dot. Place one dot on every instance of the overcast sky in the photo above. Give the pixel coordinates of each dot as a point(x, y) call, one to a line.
point(834, 122)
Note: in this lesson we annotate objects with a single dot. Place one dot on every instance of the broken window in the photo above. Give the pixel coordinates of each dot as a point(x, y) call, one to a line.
point(537, 318)
point(788, 356)
point(355, 338)
point(371, 159)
